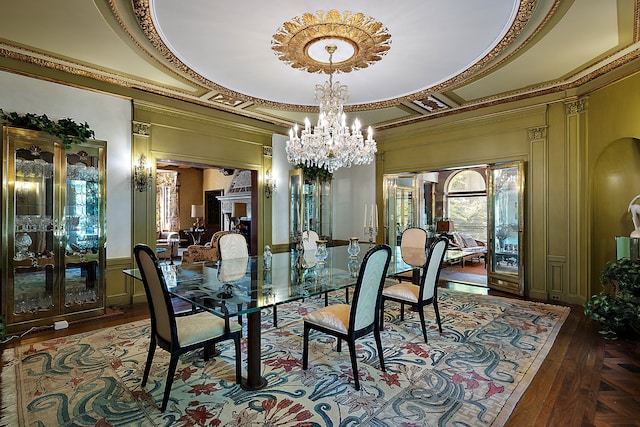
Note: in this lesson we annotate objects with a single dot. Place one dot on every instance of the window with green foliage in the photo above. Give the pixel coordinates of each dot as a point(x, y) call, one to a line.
point(466, 203)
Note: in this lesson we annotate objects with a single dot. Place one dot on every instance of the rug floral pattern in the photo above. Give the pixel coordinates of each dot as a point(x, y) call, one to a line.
point(471, 375)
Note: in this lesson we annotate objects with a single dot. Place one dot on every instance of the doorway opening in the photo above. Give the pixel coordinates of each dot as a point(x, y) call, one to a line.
point(197, 200)
point(480, 209)
point(457, 195)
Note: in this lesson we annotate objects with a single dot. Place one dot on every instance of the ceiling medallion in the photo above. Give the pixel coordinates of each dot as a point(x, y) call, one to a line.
point(362, 41)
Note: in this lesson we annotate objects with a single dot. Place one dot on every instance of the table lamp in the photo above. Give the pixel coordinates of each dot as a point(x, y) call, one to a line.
point(197, 212)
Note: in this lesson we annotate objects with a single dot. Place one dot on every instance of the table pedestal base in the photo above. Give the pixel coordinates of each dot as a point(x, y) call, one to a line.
point(261, 383)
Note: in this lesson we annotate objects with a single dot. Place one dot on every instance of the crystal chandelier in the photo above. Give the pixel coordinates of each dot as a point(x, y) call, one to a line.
point(331, 144)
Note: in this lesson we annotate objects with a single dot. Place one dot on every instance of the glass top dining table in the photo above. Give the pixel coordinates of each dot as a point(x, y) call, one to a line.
point(246, 287)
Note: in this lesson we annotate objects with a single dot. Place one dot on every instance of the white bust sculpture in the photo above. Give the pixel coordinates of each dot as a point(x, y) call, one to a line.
point(635, 216)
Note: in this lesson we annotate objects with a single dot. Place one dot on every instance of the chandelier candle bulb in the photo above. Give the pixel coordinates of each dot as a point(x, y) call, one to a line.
point(365, 216)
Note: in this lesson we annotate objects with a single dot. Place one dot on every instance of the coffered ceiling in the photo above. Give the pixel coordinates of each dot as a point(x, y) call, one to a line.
point(402, 62)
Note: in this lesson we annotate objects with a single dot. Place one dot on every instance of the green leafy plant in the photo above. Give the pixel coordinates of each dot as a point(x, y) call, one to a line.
point(67, 130)
point(313, 172)
point(617, 306)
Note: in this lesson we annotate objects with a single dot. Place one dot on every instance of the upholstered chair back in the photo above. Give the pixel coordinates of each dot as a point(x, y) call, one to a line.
point(366, 298)
point(432, 268)
point(233, 245)
point(162, 315)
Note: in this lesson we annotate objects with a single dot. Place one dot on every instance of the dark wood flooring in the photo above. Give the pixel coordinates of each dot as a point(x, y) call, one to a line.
point(584, 381)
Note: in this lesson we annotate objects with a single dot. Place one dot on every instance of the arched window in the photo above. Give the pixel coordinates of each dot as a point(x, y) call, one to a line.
point(466, 202)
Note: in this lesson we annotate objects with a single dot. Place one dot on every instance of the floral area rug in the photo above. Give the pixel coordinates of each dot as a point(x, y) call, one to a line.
point(471, 375)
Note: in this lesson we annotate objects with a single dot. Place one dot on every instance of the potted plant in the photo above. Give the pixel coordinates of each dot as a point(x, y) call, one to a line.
point(313, 172)
point(67, 130)
point(617, 306)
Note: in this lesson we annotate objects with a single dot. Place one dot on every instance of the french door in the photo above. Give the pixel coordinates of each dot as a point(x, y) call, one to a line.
point(506, 227)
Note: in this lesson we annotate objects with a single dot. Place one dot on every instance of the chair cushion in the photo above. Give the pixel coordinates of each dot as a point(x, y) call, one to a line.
point(334, 317)
point(201, 327)
point(404, 291)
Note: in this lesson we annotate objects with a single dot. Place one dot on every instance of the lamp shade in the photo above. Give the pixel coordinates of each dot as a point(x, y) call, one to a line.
point(238, 210)
point(197, 211)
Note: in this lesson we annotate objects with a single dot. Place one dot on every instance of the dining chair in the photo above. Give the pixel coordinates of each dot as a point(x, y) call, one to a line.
point(350, 322)
point(415, 238)
point(233, 245)
point(426, 293)
point(175, 333)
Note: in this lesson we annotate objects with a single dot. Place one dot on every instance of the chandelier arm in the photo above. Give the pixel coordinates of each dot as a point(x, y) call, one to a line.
point(331, 144)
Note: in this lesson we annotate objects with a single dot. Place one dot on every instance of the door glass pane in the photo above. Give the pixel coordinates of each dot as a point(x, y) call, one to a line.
point(82, 215)
point(33, 252)
point(506, 213)
point(295, 206)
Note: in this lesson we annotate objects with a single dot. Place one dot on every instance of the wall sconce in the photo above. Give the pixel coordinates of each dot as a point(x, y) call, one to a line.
point(142, 176)
point(269, 184)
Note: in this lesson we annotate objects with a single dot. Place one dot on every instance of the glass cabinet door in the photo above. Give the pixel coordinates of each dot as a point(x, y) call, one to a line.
point(83, 213)
point(34, 235)
point(399, 206)
point(53, 231)
point(506, 227)
point(295, 204)
point(309, 205)
point(323, 210)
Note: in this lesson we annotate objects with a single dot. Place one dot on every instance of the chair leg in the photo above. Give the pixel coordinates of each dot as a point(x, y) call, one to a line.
point(401, 311)
point(326, 299)
point(173, 363)
point(435, 308)
point(346, 295)
point(275, 316)
point(305, 347)
point(339, 347)
point(147, 367)
point(354, 364)
point(382, 315)
point(424, 325)
point(376, 334)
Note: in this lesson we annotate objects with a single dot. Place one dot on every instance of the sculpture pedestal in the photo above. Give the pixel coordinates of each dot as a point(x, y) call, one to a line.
point(627, 247)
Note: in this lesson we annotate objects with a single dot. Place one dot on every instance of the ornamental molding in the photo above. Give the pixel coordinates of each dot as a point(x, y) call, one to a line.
point(537, 133)
point(576, 107)
point(141, 129)
point(369, 39)
point(267, 151)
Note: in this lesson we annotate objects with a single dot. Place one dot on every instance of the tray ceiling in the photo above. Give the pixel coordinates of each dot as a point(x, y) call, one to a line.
point(403, 63)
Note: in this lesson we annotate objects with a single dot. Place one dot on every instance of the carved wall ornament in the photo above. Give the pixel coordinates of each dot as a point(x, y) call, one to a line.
point(576, 107)
point(366, 39)
point(536, 134)
point(267, 151)
point(141, 129)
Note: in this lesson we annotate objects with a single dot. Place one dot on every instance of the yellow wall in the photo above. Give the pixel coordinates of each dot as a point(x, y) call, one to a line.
point(582, 159)
point(191, 134)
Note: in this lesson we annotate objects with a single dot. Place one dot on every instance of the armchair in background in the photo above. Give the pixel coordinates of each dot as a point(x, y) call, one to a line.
point(207, 252)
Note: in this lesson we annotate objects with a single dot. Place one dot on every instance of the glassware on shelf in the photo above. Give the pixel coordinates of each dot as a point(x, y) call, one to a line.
point(22, 242)
point(354, 247)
